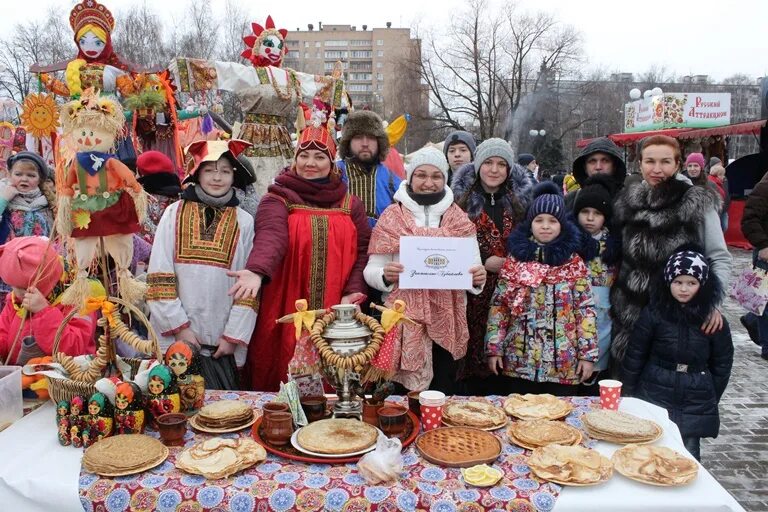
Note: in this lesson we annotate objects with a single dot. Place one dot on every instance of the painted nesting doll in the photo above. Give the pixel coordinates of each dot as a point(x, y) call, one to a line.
point(129, 409)
point(184, 361)
point(76, 421)
point(163, 392)
point(62, 422)
point(99, 422)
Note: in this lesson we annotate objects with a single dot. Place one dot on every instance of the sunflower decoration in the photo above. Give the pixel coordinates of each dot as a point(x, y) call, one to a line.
point(40, 114)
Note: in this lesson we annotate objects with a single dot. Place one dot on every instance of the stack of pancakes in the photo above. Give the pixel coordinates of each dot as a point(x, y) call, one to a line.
point(655, 465)
point(537, 433)
point(337, 436)
point(537, 407)
point(620, 427)
point(570, 465)
point(124, 454)
point(477, 414)
point(219, 458)
point(224, 415)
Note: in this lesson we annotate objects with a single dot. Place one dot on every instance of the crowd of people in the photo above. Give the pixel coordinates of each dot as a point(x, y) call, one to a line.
point(622, 276)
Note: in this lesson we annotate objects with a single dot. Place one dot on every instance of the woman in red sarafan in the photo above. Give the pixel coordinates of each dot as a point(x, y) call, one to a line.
point(311, 243)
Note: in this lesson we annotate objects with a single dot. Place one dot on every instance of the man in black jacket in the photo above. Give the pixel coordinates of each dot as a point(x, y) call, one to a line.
point(600, 156)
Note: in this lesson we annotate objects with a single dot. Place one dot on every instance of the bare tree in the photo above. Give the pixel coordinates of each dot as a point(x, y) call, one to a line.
point(138, 38)
point(739, 79)
point(201, 37)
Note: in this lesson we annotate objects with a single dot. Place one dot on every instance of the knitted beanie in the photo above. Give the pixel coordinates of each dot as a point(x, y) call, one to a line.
point(547, 198)
point(494, 147)
point(687, 263)
point(597, 193)
point(154, 162)
point(20, 259)
point(714, 161)
point(525, 158)
point(426, 156)
point(460, 137)
point(695, 158)
point(42, 168)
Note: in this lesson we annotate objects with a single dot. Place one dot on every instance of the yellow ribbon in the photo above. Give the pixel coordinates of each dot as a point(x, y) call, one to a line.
point(391, 317)
point(20, 311)
point(302, 317)
point(100, 303)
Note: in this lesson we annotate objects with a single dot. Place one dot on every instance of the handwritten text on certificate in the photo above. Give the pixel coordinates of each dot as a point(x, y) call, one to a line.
point(436, 263)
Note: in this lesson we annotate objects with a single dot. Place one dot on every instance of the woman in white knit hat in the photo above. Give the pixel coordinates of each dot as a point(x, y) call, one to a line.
point(426, 355)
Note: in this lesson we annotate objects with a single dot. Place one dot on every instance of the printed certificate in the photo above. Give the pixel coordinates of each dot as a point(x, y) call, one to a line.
point(436, 263)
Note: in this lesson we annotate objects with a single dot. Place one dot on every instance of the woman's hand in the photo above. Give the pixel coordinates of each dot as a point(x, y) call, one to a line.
point(247, 285)
point(225, 348)
point(34, 301)
point(493, 264)
point(8, 192)
point(392, 272)
point(584, 370)
point(762, 254)
point(189, 336)
point(478, 275)
point(713, 323)
point(354, 298)
point(495, 364)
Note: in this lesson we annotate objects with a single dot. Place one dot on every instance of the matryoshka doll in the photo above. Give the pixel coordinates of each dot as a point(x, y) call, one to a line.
point(99, 419)
point(184, 361)
point(76, 421)
point(163, 392)
point(129, 409)
point(62, 422)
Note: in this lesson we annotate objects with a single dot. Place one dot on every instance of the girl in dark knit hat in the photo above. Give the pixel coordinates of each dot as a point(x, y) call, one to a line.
point(541, 325)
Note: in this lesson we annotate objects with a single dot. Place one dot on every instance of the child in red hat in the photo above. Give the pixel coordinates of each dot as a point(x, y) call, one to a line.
point(159, 178)
point(32, 268)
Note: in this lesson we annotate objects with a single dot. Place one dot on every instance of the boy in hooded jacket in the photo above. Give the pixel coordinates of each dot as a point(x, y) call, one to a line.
point(669, 360)
point(541, 330)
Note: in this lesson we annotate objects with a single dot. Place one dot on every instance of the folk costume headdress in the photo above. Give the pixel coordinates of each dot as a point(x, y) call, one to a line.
point(211, 150)
point(261, 35)
point(90, 15)
point(315, 135)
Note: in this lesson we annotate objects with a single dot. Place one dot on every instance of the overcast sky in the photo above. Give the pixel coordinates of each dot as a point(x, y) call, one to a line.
point(686, 36)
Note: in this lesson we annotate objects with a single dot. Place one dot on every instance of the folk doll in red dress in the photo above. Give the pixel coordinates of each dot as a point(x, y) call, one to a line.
point(163, 394)
point(76, 421)
point(129, 409)
point(100, 198)
point(99, 420)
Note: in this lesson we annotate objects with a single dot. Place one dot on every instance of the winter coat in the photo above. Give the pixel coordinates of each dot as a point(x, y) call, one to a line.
point(542, 317)
point(653, 222)
point(599, 145)
point(509, 205)
point(668, 334)
point(754, 221)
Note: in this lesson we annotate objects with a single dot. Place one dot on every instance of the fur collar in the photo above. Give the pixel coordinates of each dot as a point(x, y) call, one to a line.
point(689, 201)
point(696, 311)
point(523, 247)
point(469, 192)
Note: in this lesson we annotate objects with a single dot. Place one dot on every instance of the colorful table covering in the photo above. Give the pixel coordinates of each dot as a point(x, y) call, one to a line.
point(279, 484)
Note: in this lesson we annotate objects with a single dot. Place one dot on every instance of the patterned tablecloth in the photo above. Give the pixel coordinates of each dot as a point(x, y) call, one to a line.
point(279, 484)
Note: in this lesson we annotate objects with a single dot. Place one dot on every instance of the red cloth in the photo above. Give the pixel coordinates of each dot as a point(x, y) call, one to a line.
point(118, 219)
point(77, 338)
point(314, 235)
point(734, 236)
point(719, 184)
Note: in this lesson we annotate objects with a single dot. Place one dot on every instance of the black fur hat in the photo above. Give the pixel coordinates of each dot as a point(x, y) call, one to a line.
point(363, 122)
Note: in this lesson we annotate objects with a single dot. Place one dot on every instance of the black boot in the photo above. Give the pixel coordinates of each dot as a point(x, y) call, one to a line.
point(749, 321)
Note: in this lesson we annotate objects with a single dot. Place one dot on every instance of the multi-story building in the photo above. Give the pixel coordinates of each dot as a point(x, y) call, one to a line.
point(375, 63)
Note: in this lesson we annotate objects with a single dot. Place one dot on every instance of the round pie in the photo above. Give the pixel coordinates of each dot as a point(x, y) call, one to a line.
point(474, 414)
point(535, 433)
point(337, 436)
point(537, 407)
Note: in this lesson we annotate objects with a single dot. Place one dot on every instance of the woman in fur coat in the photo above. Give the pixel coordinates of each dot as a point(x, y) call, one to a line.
point(656, 216)
point(495, 199)
point(670, 362)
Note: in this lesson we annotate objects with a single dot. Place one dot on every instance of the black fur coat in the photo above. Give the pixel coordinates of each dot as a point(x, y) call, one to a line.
point(469, 193)
point(653, 222)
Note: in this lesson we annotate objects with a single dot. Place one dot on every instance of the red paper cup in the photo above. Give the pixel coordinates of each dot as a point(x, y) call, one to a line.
point(431, 416)
point(610, 394)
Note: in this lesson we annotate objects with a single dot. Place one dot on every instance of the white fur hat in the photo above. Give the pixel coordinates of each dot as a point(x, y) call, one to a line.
point(427, 156)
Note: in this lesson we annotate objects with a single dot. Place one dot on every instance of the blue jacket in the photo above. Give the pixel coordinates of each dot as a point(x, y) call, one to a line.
point(387, 184)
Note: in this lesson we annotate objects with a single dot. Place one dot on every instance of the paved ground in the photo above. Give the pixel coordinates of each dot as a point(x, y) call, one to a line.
point(738, 458)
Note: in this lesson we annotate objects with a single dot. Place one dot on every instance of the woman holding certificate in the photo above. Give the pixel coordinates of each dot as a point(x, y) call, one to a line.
point(425, 352)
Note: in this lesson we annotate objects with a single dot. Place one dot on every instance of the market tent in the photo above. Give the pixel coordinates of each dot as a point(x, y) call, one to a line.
point(748, 128)
point(626, 139)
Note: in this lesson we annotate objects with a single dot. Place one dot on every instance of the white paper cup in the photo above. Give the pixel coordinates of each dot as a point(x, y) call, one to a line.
point(431, 397)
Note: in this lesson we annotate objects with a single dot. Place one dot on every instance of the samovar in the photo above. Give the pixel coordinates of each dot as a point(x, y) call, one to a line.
point(346, 336)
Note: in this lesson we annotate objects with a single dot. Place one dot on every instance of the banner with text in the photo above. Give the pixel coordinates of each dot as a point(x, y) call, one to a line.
point(678, 110)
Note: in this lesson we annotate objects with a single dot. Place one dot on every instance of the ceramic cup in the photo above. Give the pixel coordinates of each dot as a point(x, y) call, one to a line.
point(314, 407)
point(278, 428)
point(610, 394)
point(371, 412)
point(273, 407)
point(172, 427)
point(392, 420)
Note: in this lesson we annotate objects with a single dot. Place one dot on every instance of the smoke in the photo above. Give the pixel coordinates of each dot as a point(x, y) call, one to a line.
point(520, 118)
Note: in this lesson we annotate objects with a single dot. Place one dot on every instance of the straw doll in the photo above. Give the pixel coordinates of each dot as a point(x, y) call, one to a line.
point(100, 198)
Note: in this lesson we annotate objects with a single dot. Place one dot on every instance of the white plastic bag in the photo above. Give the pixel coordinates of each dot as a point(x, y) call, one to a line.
point(383, 464)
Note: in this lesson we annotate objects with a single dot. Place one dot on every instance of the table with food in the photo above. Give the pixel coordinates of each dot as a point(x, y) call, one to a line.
point(114, 447)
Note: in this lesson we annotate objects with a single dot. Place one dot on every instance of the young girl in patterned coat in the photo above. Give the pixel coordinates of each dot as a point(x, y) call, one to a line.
point(541, 326)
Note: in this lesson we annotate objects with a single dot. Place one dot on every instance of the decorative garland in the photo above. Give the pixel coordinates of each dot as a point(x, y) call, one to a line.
point(355, 362)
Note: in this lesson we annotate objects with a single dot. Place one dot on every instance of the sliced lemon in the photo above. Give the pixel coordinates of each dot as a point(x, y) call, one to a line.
point(481, 475)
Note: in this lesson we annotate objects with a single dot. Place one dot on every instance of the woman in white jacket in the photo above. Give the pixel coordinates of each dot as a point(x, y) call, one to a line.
point(426, 353)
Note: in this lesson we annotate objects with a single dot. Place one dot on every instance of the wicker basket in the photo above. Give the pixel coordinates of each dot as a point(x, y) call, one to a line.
point(65, 389)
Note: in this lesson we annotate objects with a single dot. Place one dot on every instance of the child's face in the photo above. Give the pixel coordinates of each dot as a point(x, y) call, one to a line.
point(545, 228)
point(684, 288)
point(458, 155)
point(24, 176)
point(592, 220)
point(216, 178)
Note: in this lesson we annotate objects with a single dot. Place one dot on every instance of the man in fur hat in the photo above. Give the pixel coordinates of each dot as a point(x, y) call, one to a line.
point(363, 147)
